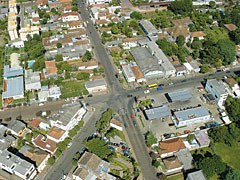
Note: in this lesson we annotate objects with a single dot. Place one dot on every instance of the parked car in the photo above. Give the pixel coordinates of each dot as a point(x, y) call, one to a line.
point(110, 147)
point(161, 85)
point(171, 83)
point(138, 88)
point(74, 98)
point(138, 110)
point(187, 131)
point(130, 95)
point(134, 122)
point(90, 95)
point(116, 144)
point(83, 150)
point(125, 125)
point(81, 97)
point(146, 91)
point(152, 100)
point(132, 116)
point(63, 177)
point(41, 104)
point(69, 145)
point(184, 80)
point(126, 152)
point(159, 88)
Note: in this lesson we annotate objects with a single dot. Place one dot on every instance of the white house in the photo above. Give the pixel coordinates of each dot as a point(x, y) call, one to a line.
point(218, 90)
point(16, 165)
point(129, 43)
point(28, 30)
point(116, 124)
point(128, 74)
point(32, 80)
point(54, 92)
point(98, 85)
point(91, 2)
point(232, 83)
point(69, 16)
point(191, 116)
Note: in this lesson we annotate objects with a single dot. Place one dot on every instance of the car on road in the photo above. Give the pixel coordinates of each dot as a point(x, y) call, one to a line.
point(171, 83)
point(74, 98)
point(228, 71)
point(132, 116)
point(63, 177)
point(130, 95)
point(161, 85)
point(81, 97)
point(134, 122)
point(210, 75)
point(184, 80)
point(138, 110)
point(90, 95)
point(138, 88)
point(146, 91)
point(159, 88)
point(187, 131)
point(125, 125)
point(69, 145)
point(41, 104)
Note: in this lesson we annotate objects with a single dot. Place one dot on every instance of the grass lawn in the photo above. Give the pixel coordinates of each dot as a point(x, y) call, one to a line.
point(215, 177)
point(149, 15)
point(120, 164)
point(72, 89)
point(177, 177)
point(230, 155)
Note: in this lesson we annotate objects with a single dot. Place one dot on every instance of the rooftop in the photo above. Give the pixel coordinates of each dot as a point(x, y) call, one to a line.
point(218, 86)
point(198, 175)
point(171, 145)
point(186, 158)
point(148, 26)
point(31, 77)
point(172, 163)
point(13, 87)
point(198, 34)
point(34, 123)
point(128, 71)
point(231, 27)
point(157, 113)
point(96, 83)
point(116, 122)
point(180, 96)
point(12, 72)
point(51, 67)
point(16, 125)
point(191, 113)
point(202, 138)
point(90, 160)
point(45, 143)
point(56, 132)
point(231, 81)
point(137, 72)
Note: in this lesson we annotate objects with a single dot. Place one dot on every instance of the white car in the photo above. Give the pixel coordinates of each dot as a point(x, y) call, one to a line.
point(41, 104)
point(69, 145)
point(146, 91)
point(63, 177)
point(171, 83)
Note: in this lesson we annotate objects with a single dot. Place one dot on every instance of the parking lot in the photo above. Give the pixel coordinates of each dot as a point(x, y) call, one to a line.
point(160, 127)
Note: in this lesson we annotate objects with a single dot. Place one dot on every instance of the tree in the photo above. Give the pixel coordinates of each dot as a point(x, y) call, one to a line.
point(233, 174)
point(195, 54)
point(156, 163)
point(180, 40)
point(51, 160)
point(83, 76)
point(28, 137)
point(61, 146)
point(59, 45)
point(57, 153)
point(212, 4)
point(136, 15)
point(196, 44)
point(181, 6)
point(58, 58)
point(226, 50)
point(235, 35)
point(87, 56)
point(115, 29)
point(74, 162)
point(101, 69)
point(204, 68)
point(75, 9)
point(150, 139)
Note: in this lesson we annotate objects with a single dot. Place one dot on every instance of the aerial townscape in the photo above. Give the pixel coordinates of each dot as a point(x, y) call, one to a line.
point(119, 90)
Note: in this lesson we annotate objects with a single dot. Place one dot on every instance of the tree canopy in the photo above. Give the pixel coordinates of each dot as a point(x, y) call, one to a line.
point(87, 56)
point(150, 139)
point(103, 123)
point(181, 6)
point(83, 76)
point(136, 15)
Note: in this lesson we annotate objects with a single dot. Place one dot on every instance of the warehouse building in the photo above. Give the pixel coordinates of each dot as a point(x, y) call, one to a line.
point(157, 113)
point(179, 96)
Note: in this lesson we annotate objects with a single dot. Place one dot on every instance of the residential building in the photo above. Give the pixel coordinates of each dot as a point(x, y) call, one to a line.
point(180, 70)
point(148, 28)
point(179, 96)
point(38, 124)
point(90, 65)
point(157, 113)
point(115, 123)
point(5, 140)
point(54, 92)
point(12, 22)
point(69, 16)
point(43, 94)
point(42, 4)
point(199, 34)
point(12, 72)
point(230, 27)
point(28, 30)
point(129, 43)
point(169, 147)
point(45, 144)
point(202, 139)
point(172, 165)
point(57, 134)
point(82, 174)
point(128, 74)
point(218, 90)
point(91, 2)
point(185, 158)
point(16, 165)
point(32, 80)
point(138, 74)
point(233, 85)
point(68, 116)
point(51, 69)
point(197, 175)
point(96, 86)
point(39, 156)
point(16, 127)
point(191, 116)
point(147, 63)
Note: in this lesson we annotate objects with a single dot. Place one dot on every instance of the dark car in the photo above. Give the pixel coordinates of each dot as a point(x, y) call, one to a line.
point(130, 95)
point(228, 71)
point(81, 97)
point(184, 80)
point(138, 88)
point(90, 95)
point(134, 122)
point(125, 125)
point(161, 85)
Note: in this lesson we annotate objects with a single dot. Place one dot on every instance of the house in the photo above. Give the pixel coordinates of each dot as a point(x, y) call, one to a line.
point(218, 90)
point(68, 116)
point(32, 80)
point(196, 175)
point(202, 139)
point(16, 127)
point(12, 24)
point(94, 165)
point(92, 2)
point(148, 28)
point(43, 94)
point(38, 124)
point(45, 144)
point(230, 27)
point(232, 83)
point(5, 140)
point(28, 30)
point(16, 165)
point(157, 113)
point(129, 43)
point(75, 24)
point(179, 96)
point(57, 134)
point(199, 34)
point(99, 85)
point(128, 74)
point(69, 16)
point(138, 74)
point(54, 92)
point(185, 158)
point(172, 165)
point(169, 147)
point(90, 65)
point(39, 156)
point(42, 4)
point(116, 124)
point(142, 41)
point(147, 63)
point(191, 116)
point(51, 69)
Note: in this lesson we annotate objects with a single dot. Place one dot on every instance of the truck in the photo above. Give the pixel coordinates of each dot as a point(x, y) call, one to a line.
point(159, 88)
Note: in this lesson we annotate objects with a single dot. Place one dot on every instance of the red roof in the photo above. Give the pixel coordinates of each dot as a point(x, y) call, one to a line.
point(34, 123)
point(51, 67)
point(171, 145)
point(44, 143)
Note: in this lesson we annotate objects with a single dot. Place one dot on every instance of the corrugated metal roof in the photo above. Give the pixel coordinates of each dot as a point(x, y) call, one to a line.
point(14, 88)
point(157, 113)
point(180, 96)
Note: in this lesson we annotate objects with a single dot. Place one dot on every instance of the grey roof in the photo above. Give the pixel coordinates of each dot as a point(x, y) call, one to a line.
point(2, 130)
point(146, 62)
point(191, 113)
point(198, 175)
point(96, 83)
point(128, 71)
point(143, 41)
point(180, 96)
point(32, 77)
point(148, 26)
point(157, 113)
point(14, 87)
point(186, 158)
point(218, 86)
point(66, 113)
point(5, 141)
point(12, 72)
point(194, 64)
point(9, 159)
point(113, 43)
point(16, 125)
point(4, 10)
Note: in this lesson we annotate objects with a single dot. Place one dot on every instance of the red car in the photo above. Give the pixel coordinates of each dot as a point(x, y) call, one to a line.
point(132, 116)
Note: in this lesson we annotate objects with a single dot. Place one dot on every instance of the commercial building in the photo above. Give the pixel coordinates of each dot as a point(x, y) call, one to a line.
point(191, 116)
point(128, 74)
point(179, 96)
point(12, 72)
point(218, 90)
point(16, 165)
point(138, 74)
point(96, 86)
point(148, 28)
point(32, 80)
point(147, 63)
point(157, 113)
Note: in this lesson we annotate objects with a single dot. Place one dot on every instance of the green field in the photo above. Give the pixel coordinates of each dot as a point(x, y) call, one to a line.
point(230, 155)
point(177, 177)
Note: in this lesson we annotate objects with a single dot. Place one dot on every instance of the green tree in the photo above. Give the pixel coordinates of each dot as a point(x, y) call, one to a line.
point(235, 35)
point(181, 6)
point(115, 29)
point(150, 139)
point(212, 4)
point(59, 45)
point(58, 58)
point(195, 54)
point(101, 69)
point(204, 68)
point(67, 75)
point(57, 153)
point(74, 162)
point(233, 175)
point(180, 40)
point(29, 137)
point(75, 9)
point(51, 160)
point(87, 56)
point(226, 50)
point(83, 76)
point(196, 44)
point(156, 163)
point(136, 15)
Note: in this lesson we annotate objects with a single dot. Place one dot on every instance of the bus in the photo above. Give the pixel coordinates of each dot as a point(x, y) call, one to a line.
point(151, 86)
